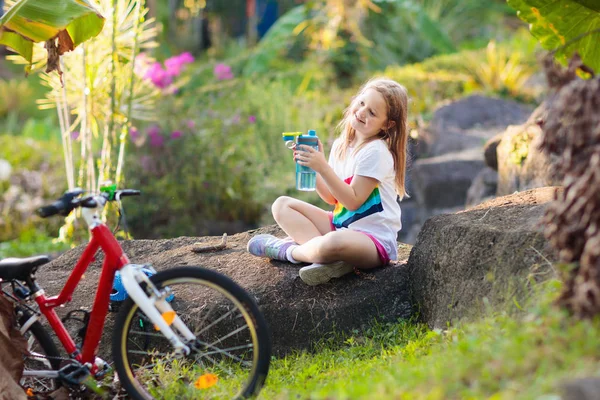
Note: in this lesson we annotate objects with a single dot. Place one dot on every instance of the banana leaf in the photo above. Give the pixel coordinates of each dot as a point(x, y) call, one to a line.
point(61, 24)
point(277, 38)
point(565, 25)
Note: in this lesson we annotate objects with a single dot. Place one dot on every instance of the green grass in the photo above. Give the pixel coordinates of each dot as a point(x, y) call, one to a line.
point(523, 353)
point(31, 242)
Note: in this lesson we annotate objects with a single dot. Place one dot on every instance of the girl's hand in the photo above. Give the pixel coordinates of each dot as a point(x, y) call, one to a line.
point(309, 157)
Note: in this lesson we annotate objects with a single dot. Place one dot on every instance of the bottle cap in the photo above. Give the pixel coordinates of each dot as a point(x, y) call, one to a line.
point(287, 136)
point(312, 132)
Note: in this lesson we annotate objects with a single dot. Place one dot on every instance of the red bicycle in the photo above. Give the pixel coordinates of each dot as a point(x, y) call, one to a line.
point(181, 325)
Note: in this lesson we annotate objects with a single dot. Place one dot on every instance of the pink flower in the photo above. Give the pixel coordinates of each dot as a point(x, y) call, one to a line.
point(223, 72)
point(156, 139)
point(235, 119)
point(176, 134)
point(134, 134)
point(154, 130)
point(190, 124)
point(186, 57)
point(158, 76)
point(74, 135)
point(174, 65)
point(252, 119)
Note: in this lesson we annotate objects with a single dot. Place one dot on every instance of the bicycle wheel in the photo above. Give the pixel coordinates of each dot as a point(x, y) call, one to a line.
point(229, 358)
point(43, 355)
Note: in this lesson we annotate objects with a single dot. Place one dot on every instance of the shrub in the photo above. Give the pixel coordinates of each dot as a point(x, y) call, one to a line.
point(37, 177)
point(218, 160)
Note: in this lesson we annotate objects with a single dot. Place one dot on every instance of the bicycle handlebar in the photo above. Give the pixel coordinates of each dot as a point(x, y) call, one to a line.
point(69, 201)
point(128, 192)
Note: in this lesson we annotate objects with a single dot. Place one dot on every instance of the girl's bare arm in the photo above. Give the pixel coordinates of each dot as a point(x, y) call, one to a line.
point(323, 191)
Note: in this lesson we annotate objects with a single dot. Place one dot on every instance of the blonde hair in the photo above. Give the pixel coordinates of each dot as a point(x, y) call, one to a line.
point(396, 137)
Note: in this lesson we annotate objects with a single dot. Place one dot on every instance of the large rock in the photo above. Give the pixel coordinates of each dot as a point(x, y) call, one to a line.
point(521, 165)
point(515, 154)
point(581, 389)
point(297, 314)
point(482, 255)
point(443, 181)
point(469, 122)
point(490, 153)
point(483, 188)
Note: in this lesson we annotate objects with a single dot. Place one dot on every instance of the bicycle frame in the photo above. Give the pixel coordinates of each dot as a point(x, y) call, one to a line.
point(114, 259)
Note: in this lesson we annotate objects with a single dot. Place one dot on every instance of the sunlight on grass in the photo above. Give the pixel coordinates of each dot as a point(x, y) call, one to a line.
point(512, 354)
point(183, 380)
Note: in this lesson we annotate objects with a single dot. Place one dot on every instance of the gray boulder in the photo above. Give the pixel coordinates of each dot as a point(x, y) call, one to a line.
point(581, 389)
point(443, 181)
point(483, 188)
point(482, 255)
point(521, 165)
point(490, 151)
point(469, 122)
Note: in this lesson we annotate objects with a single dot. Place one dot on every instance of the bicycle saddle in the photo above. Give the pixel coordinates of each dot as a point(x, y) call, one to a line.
point(20, 268)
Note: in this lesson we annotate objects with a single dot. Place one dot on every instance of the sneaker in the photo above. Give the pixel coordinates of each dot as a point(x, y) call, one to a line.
point(317, 274)
point(269, 246)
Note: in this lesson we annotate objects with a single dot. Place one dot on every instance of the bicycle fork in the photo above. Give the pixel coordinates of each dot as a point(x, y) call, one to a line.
point(156, 308)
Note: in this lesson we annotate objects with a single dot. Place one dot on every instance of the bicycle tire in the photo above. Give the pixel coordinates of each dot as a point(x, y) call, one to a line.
point(47, 345)
point(131, 318)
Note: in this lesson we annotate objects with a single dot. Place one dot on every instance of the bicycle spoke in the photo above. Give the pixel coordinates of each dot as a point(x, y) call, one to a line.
point(216, 322)
point(148, 353)
point(229, 335)
point(226, 353)
point(228, 371)
point(152, 334)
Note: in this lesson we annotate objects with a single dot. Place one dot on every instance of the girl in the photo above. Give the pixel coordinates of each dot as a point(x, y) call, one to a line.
point(363, 178)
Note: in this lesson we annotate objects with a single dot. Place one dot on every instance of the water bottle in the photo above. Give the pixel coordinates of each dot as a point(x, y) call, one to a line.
point(306, 177)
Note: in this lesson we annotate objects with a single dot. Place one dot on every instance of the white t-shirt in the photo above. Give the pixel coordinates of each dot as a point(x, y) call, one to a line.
point(380, 213)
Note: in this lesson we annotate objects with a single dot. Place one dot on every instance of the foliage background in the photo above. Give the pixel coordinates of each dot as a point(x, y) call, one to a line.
point(208, 157)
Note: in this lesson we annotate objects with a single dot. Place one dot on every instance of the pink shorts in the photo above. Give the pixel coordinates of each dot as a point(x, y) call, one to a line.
point(383, 254)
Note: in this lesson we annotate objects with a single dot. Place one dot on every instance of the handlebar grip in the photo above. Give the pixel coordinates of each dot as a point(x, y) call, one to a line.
point(88, 202)
point(52, 209)
point(129, 192)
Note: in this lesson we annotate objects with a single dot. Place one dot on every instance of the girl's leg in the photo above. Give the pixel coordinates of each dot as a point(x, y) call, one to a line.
point(354, 248)
point(300, 220)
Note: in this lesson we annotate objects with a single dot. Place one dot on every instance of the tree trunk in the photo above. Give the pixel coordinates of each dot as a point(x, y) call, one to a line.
point(252, 22)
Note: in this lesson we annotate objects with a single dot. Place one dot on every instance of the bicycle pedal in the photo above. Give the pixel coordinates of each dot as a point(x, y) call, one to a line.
point(102, 368)
point(73, 374)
